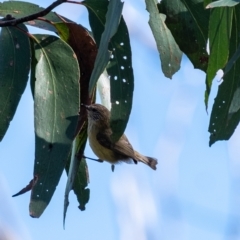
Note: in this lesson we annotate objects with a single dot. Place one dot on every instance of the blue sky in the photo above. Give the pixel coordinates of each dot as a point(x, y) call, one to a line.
point(193, 194)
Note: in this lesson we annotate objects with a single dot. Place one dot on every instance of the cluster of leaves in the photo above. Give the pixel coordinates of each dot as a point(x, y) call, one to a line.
point(64, 68)
point(192, 23)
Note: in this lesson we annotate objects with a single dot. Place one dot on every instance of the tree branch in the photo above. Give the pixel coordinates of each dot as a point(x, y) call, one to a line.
point(13, 22)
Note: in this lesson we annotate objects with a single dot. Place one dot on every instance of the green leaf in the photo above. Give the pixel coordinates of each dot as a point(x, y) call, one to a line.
point(219, 36)
point(121, 80)
point(77, 171)
point(188, 23)
point(56, 106)
point(170, 54)
point(14, 69)
point(225, 115)
point(223, 3)
point(112, 21)
point(119, 68)
point(232, 61)
point(20, 9)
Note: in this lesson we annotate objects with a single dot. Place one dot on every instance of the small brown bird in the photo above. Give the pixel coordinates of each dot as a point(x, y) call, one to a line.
point(99, 133)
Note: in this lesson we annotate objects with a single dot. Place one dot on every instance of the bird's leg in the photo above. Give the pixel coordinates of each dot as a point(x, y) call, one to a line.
point(112, 167)
point(94, 159)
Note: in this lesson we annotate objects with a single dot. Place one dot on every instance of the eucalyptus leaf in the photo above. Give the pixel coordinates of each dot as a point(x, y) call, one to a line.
point(119, 68)
point(169, 51)
point(188, 22)
point(56, 106)
point(225, 114)
point(14, 70)
point(220, 27)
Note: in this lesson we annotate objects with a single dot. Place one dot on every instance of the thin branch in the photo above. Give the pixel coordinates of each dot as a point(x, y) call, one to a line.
point(13, 22)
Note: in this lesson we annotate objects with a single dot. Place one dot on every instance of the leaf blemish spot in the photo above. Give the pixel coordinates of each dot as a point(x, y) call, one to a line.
point(124, 80)
point(17, 46)
point(112, 56)
point(117, 102)
point(125, 101)
point(122, 67)
point(125, 57)
point(121, 43)
point(115, 78)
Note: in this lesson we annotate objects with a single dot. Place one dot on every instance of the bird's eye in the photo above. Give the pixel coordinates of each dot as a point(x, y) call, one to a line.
point(93, 109)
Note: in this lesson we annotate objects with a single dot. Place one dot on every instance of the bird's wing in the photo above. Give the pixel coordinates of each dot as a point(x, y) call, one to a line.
point(122, 146)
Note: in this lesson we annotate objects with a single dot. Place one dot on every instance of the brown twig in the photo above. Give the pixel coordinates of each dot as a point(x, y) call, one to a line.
point(13, 22)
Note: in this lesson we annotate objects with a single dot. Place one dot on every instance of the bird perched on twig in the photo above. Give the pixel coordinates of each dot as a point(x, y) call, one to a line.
point(99, 134)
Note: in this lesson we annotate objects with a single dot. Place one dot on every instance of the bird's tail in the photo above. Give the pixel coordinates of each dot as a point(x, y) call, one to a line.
point(151, 162)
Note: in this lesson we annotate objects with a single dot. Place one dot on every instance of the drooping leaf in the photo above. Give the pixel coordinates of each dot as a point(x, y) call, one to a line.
point(20, 9)
point(77, 173)
point(169, 51)
point(112, 21)
point(14, 69)
point(86, 50)
point(223, 3)
point(188, 22)
point(225, 115)
point(220, 26)
point(121, 80)
point(119, 68)
point(56, 106)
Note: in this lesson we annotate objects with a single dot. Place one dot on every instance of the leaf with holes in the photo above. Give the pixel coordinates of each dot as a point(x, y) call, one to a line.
point(20, 9)
point(14, 69)
point(220, 26)
point(121, 80)
point(188, 23)
point(225, 115)
point(168, 49)
point(119, 68)
point(56, 106)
